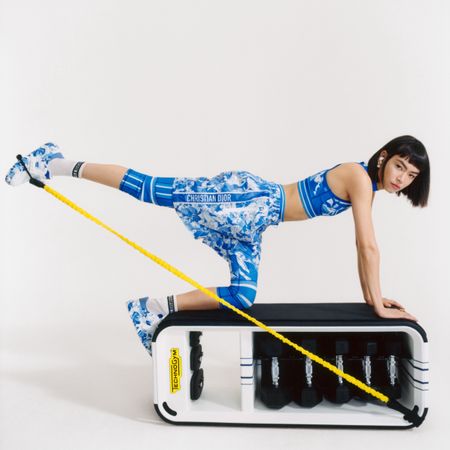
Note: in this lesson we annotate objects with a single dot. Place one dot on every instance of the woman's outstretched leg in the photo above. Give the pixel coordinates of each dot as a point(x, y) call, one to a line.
point(107, 174)
point(47, 161)
point(143, 187)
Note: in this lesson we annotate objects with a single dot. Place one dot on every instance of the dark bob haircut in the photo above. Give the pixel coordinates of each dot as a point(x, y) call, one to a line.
point(414, 151)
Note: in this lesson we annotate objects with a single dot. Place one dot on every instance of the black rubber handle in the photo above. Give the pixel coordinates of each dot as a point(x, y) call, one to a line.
point(34, 181)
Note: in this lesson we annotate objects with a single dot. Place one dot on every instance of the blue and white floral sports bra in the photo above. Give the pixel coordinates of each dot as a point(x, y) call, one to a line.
point(317, 197)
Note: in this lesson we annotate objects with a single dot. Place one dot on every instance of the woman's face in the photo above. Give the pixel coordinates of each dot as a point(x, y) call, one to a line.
point(398, 174)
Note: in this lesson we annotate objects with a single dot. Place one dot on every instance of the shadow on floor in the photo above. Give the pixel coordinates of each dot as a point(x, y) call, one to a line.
point(122, 390)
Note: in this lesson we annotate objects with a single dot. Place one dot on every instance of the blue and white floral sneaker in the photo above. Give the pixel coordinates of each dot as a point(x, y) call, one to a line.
point(36, 163)
point(144, 321)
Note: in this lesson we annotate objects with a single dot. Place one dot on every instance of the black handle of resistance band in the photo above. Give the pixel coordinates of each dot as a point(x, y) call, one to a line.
point(32, 180)
point(410, 416)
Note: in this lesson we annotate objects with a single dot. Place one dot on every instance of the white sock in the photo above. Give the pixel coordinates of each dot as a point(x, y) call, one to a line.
point(65, 167)
point(165, 305)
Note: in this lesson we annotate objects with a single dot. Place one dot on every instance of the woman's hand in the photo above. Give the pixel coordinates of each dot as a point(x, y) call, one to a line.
point(387, 303)
point(394, 313)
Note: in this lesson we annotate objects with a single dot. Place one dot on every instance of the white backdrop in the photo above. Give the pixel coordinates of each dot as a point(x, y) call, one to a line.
point(192, 88)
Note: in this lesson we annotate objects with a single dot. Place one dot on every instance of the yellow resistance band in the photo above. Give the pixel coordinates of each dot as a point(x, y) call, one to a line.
point(259, 324)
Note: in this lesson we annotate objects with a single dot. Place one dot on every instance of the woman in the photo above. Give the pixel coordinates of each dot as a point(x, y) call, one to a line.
point(230, 211)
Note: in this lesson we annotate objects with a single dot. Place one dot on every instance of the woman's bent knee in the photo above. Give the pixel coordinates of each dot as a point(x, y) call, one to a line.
point(240, 297)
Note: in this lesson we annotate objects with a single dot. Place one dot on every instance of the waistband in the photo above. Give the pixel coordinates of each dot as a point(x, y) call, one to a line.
point(218, 197)
point(282, 202)
point(307, 204)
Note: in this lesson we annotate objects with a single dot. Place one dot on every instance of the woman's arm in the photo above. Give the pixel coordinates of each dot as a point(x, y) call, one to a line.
point(362, 281)
point(359, 187)
point(370, 268)
point(369, 259)
point(388, 303)
point(362, 278)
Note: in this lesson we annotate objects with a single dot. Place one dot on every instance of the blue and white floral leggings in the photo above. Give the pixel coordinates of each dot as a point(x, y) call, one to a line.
point(228, 212)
